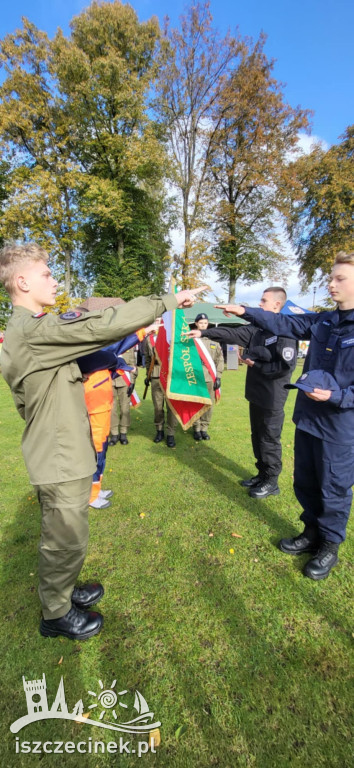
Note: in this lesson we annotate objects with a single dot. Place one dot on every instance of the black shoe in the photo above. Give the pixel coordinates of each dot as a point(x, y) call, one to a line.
point(326, 558)
point(76, 624)
point(197, 435)
point(159, 436)
point(307, 541)
point(123, 439)
point(205, 435)
point(251, 482)
point(113, 440)
point(170, 441)
point(87, 595)
point(262, 490)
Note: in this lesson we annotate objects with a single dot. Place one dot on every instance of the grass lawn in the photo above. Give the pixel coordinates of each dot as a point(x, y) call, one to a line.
point(223, 636)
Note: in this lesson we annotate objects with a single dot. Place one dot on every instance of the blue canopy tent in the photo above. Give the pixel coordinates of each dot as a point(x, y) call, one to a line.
point(290, 308)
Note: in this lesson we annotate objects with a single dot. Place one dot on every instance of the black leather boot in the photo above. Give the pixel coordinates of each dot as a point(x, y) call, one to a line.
point(159, 436)
point(170, 441)
point(325, 559)
point(204, 435)
point(251, 482)
point(197, 435)
point(123, 439)
point(113, 440)
point(307, 541)
point(76, 625)
point(87, 595)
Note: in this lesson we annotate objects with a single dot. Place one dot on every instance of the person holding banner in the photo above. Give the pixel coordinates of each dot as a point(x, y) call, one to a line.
point(212, 359)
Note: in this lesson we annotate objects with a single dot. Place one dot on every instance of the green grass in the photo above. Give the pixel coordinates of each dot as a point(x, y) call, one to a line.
point(250, 656)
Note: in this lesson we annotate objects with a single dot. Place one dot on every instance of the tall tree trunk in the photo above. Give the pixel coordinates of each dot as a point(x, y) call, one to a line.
point(187, 242)
point(232, 289)
point(67, 278)
point(120, 250)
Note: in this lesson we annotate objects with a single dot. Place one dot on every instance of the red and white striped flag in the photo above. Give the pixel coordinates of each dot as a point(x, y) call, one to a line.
point(134, 397)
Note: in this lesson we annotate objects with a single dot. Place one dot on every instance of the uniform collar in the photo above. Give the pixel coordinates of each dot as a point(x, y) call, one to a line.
point(334, 317)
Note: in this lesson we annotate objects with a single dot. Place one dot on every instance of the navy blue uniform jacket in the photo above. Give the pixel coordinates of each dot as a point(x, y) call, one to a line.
point(331, 349)
point(266, 379)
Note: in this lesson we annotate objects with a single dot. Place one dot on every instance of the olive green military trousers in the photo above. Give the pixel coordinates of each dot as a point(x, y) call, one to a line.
point(205, 419)
point(63, 542)
point(158, 399)
point(120, 423)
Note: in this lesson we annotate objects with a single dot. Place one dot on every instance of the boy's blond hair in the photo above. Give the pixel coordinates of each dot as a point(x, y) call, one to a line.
point(12, 255)
point(345, 258)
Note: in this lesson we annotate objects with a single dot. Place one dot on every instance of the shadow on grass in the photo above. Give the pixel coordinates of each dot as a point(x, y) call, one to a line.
point(206, 461)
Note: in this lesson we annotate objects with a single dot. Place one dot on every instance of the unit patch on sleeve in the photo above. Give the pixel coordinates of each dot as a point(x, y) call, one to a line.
point(72, 315)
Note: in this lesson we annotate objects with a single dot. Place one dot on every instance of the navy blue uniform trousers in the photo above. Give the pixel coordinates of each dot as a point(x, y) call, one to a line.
point(266, 427)
point(323, 479)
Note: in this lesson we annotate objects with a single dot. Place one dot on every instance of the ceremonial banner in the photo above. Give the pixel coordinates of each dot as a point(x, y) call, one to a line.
point(181, 377)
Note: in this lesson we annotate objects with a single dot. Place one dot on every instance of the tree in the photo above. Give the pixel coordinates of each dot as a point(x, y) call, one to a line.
point(43, 183)
point(146, 254)
point(322, 207)
point(256, 133)
point(74, 119)
point(194, 65)
point(105, 73)
point(5, 302)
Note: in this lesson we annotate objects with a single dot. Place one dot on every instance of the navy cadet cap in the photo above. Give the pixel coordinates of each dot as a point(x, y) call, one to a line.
point(316, 379)
point(201, 316)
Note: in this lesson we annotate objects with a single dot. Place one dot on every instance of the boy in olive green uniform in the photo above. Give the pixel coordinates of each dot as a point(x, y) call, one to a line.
point(121, 400)
point(39, 364)
point(158, 399)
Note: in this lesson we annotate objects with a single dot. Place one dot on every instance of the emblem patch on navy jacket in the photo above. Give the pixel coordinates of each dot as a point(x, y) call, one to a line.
point(72, 315)
point(288, 353)
point(271, 340)
point(347, 342)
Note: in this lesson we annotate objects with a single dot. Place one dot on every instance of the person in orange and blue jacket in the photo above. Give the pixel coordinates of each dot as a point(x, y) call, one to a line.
point(99, 368)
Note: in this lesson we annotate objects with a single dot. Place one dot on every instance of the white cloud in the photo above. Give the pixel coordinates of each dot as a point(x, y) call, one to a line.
point(307, 143)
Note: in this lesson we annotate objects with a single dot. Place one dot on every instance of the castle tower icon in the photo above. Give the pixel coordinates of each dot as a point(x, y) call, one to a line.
point(36, 695)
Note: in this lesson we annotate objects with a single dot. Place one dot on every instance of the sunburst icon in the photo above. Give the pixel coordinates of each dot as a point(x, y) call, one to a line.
point(107, 699)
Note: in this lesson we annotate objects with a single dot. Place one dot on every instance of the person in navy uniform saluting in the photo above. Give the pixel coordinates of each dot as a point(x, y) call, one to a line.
point(324, 418)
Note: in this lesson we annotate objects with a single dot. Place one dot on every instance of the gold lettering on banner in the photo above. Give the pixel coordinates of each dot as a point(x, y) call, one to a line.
point(188, 367)
point(184, 330)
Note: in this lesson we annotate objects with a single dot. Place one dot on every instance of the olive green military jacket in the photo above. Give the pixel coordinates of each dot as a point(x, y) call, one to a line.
point(216, 355)
point(38, 363)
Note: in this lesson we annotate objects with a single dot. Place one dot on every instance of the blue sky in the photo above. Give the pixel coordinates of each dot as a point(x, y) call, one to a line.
point(311, 40)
